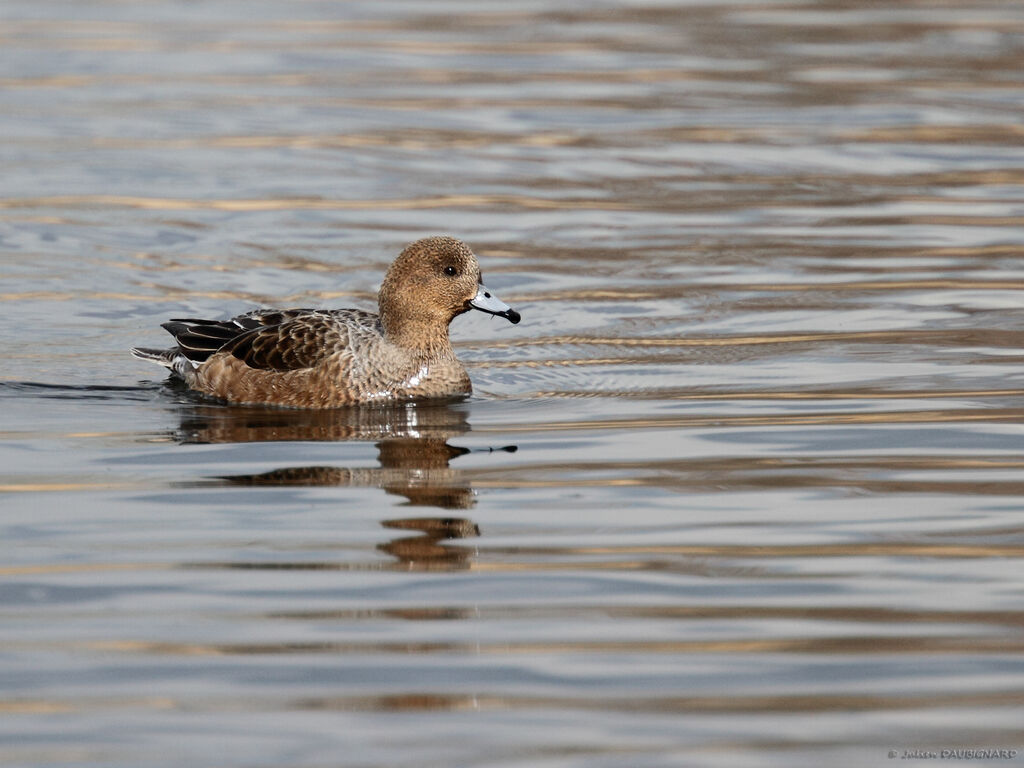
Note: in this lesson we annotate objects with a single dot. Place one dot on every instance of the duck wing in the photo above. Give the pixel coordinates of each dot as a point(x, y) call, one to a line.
point(274, 340)
point(300, 342)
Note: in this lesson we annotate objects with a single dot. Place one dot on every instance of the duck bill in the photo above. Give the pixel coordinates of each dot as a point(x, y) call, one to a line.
point(487, 302)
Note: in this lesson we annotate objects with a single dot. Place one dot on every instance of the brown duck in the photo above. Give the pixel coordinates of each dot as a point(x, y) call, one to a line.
point(318, 358)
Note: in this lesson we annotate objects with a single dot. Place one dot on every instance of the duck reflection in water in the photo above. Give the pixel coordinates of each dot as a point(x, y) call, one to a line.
point(413, 452)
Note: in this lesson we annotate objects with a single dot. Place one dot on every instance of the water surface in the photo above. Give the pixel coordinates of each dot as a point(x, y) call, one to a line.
point(742, 489)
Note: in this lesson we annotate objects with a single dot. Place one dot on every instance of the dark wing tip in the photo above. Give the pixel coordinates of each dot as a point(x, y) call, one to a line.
point(198, 339)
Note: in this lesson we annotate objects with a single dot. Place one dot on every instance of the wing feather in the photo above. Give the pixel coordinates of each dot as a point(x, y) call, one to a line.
point(294, 344)
point(274, 339)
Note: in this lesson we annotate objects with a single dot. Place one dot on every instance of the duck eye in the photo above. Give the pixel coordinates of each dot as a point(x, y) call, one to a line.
point(451, 271)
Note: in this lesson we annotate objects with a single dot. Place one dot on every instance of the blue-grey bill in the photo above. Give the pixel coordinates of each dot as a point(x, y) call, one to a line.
point(486, 301)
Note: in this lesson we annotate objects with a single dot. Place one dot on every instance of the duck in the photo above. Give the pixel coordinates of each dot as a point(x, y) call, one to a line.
point(330, 358)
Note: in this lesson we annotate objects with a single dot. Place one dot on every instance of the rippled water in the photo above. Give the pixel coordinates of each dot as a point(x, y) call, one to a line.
point(743, 489)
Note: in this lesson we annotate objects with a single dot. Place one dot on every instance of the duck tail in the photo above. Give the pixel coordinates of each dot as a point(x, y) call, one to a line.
point(164, 357)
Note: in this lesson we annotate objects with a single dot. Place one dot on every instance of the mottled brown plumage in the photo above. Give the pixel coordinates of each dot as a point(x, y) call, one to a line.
point(307, 358)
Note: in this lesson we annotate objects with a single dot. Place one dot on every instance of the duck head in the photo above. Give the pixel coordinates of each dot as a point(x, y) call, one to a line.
point(430, 283)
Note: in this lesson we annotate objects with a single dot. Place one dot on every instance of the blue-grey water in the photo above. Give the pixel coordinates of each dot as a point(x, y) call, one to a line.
point(744, 488)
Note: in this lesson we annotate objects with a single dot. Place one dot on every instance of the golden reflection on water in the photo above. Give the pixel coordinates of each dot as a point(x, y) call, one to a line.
point(301, 203)
point(418, 702)
point(1007, 415)
point(812, 394)
point(860, 644)
point(948, 337)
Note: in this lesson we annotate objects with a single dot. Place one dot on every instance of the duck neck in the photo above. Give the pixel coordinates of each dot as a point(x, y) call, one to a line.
point(424, 336)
